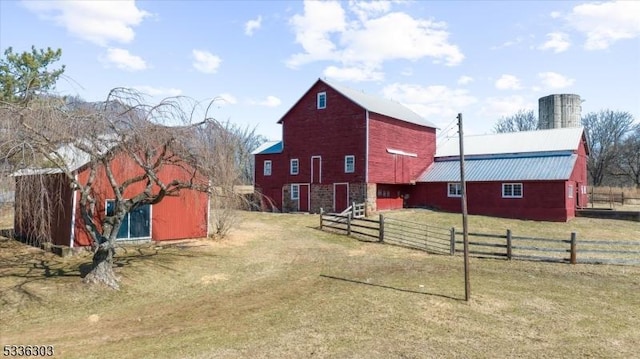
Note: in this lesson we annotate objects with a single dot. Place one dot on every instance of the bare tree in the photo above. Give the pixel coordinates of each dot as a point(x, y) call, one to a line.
point(605, 131)
point(62, 139)
point(523, 120)
point(627, 163)
point(228, 162)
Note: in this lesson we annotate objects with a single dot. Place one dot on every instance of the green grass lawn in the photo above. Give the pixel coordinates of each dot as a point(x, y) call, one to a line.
point(280, 288)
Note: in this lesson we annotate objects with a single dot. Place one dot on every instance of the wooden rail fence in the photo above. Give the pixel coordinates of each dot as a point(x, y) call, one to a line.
point(439, 240)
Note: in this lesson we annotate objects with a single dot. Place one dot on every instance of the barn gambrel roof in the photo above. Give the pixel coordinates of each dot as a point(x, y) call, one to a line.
point(375, 104)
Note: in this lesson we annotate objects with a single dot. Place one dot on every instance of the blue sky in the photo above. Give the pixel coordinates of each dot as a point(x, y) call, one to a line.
point(485, 59)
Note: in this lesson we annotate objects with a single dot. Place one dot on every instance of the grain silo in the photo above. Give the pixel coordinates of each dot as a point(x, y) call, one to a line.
point(558, 111)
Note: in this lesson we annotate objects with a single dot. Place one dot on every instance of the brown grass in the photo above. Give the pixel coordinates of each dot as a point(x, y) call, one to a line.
point(279, 288)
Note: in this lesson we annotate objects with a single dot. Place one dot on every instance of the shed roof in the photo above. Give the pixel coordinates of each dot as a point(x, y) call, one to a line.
point(72, 157)
point(378, 105)
point(533, 168)
point(268, 148)
point(560, 139)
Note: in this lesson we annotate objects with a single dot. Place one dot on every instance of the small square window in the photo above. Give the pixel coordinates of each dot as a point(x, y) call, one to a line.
point(322, 100)
point(295, 191)
point(294, 168)
point(455, 189)
point(349, 164)
point(512, 190)
point(267, 168)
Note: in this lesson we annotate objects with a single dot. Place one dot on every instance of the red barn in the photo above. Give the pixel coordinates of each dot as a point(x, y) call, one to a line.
point(539, 175)
point(341, 146)
point(175, 217)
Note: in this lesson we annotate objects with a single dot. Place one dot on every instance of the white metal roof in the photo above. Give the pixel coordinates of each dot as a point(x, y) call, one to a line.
point(559, 139)
point(72, 157)
point(381, 105)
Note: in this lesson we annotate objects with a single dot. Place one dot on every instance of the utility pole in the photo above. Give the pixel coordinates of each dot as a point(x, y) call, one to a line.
point(465, 229)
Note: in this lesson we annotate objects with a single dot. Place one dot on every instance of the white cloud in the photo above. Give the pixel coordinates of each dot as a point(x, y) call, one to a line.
point(226, 99)
point(205, 61)
point(252, 25)
point(99, 22)
point(554, 80)
point(355, 74)
point(158, 91)
point(313, 30)
point(270, 101)
point(555, 14)
point(508, 43)
point(465, 80)
point(557, 41)
point(508, 82)
point(497, 107)
point(436, 103)
point(327, 32)
point(124, 60)
point(606, 23)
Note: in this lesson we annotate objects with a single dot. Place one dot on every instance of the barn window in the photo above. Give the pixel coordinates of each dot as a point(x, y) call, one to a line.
point(349, 164)
point(295, 191)
point(455, 189)
point(570, 191)
point(322, 100)
point(294, 168)
point(267, 168)
point(512, 190)
point(136, 224)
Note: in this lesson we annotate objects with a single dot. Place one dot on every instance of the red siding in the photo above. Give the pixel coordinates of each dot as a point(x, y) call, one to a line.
point(542, 200)
point(330, 133)
point(185, 216)
point(385, 133)
point(579, 177)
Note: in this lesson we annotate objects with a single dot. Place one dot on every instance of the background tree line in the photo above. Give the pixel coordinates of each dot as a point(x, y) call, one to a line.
point(614, 142)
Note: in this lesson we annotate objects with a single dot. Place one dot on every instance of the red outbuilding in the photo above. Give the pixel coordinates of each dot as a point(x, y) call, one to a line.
point(538, 175)
point(185, 215)
point(341, 146)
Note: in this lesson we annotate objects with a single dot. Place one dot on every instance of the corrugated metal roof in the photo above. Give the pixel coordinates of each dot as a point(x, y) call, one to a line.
point(561, 139)
point(502, 169)
point(268, 148)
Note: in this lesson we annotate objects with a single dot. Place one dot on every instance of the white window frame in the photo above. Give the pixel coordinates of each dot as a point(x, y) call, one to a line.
point(570, 191)
point(321, 100)
point(295, 192)
point(294, 166)
point(457, 189)
point(128, 237)
point(511, 192)
point(266, 170)
point(347, 168)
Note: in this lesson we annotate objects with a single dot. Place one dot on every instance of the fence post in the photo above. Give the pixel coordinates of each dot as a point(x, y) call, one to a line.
point(321, 218)
point(572, 258)
point(353, 209)
point(381, 233)
point(349, 224)
point(453, 241)
point(509, 252)
point(622, 196)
